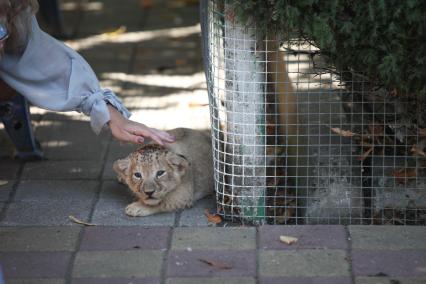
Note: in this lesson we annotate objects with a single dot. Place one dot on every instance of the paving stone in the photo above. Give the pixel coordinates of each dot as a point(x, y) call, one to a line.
point(309, 237)
point(49, 213)
point(38, 238)
point(36, 281)
point(214, 280)
point(116, 281)
point(103, 264)
point(59, 143)
point(124, 238)
point(5, 190)
point(407, 263)
point(56, 190)
point(50, 170)
point(377, 237)
point(34, 264)
point(192, 263)
point(195, 217)
point(214, 238)
point(387, 280)
point(306, 280)
point(109, 210)
point(9, 168)
point(304, 263)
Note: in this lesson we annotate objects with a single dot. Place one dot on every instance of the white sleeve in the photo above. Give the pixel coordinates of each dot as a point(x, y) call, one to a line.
point(55, 77)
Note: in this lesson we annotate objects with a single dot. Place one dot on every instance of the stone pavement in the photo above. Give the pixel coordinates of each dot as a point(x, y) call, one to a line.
point(149, 53)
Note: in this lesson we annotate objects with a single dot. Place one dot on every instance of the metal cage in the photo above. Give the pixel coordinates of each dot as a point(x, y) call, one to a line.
point(297, 142)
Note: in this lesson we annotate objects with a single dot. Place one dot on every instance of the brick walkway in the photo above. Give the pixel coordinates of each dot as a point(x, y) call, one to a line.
point(151, 58)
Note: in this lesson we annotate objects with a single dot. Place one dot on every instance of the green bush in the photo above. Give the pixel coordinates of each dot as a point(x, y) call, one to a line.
point(383, 39)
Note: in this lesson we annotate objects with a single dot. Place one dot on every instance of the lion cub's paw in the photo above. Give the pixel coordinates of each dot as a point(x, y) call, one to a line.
point(136, 209)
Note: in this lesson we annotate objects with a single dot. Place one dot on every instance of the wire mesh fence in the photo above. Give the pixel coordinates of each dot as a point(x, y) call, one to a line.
point(296, 141)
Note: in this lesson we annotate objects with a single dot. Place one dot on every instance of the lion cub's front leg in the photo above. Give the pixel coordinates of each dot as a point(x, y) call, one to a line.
point(136, 209)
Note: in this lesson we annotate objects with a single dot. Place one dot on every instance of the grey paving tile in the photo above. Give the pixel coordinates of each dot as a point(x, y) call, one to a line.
point(309, 236)
point(56, 190)
point(38, 238)
point(195, 217)
point(387, 280)
point(36, 281)
point(6, 189)
point(214, 238)
point(9, 168)
point(150, 280)
point(306, 280)
point(378, 237)
point(303, 263)
point(125, 238)
point(50, 213)
point(104, 264)
point(192, 263)
point(212, 280)
point(34, 264)
point(109, 210)
point(50, 170)
point(406, 263)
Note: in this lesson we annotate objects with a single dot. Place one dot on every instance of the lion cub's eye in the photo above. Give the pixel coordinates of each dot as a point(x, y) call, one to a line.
point(160, 174)
point(138, 175)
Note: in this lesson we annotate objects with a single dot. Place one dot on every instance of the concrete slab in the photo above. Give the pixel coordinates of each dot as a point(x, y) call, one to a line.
point(213, 280)
point(211, 263)
point(306, 280)
point(53, 170)
point(39, 191)
point(39, 238)
point(303, 263)
point(214, 238)
point(9, 168)
point(378, 237)
point(6, 189)
point(115, 280)
point(103, 264)
point(125, 238)
point(309, 236)
point(387, 280)
point(34, 264)
point(381, 263)
point(51, 213)
point(195, 217)
point(36, 281)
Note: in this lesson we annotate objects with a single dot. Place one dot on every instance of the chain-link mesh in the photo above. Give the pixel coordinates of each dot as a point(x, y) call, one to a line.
point(297, 142)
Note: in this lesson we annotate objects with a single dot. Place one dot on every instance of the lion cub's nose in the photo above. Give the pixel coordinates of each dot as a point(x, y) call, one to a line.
point(149, 193)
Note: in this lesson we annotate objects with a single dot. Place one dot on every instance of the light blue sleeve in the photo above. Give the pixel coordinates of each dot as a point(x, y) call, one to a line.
point(55, 77)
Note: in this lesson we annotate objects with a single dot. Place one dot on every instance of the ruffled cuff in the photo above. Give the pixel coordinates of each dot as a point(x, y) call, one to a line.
point(95, 106)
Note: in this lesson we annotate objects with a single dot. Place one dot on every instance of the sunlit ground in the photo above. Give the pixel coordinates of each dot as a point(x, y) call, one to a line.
point(155, 70)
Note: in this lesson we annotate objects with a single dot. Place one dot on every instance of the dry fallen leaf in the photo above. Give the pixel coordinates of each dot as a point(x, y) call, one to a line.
point(288, 240)
point(365, 154)
point(344, 133)
point(212, 218)
point(75, 220)
point(147, 4)
point(418, 151)
point(195, 104)
point(402, 175)
point(216, 264)
point(3, 182)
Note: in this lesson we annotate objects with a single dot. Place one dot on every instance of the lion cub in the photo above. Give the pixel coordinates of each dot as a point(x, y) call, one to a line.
point(168, 178)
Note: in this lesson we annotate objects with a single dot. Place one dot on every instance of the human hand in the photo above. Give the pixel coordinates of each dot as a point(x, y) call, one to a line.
point(130, 131)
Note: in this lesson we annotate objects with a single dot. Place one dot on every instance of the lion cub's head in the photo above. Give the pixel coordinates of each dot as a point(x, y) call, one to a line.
point(151, 172)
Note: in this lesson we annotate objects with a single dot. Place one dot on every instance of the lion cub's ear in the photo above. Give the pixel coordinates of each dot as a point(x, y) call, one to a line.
point(121, 167)
point(178, 162)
